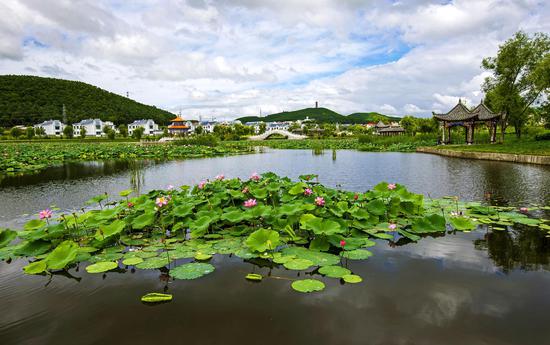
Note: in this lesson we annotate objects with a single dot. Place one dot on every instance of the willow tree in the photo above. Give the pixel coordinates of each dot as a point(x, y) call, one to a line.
point(520, 77)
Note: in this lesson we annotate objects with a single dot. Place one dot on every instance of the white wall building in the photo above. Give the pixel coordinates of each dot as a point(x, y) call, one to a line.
point(149, 127)
point(94, 127)
point(51, 127)
point(208, 126)
point(271, 126)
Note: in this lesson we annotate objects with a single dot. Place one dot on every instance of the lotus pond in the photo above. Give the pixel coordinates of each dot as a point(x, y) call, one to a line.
point(296, 259)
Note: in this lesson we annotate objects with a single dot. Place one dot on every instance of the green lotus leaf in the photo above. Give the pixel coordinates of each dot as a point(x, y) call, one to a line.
point(200, 226)
point(254, 276)
point(145, 255)
point(191, 270)
point(430, 223)
point(281, 259)
point(6, 236)
point(308, 285)
point(357, 254)
point(258, 192)
point(297, 188)
point(153, 263)
point(322, 226)
point(202, 256)
point(334, 271)
point(182, 210)
point(319, 243)
point(36, 267)
point(154, 297)
point(234, 216)
point(100, 267)
point(35, 224)
point(376, 207)
point(62, 255)
point(245, 253)
point(352, 278)
point(106, 231)
point(462, 223)
point(106, 257)
point(298, 264)
point(32, 248)
point(125, 192)
point(318, 258)
point(132, 261)
point(262, 240)
point(143, 220)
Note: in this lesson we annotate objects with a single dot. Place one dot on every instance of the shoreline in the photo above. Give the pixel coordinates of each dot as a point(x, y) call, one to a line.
point(492, 156)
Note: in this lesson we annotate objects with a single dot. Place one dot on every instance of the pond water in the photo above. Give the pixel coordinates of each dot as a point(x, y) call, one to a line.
point(466, 288)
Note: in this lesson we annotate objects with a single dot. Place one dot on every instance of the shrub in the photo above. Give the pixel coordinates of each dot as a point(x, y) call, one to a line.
point(199, 140)
point(543, 136)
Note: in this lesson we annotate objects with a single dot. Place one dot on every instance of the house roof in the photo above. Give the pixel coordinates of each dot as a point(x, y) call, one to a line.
point(50, 122)
point(178, 127)
point(391, 129)
point(177, 119)
point(381, 124)
point(141, 122)
point(460, 113)
point(88, 122)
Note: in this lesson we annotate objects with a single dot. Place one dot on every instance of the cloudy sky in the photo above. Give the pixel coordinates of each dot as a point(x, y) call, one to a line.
point(230, 58)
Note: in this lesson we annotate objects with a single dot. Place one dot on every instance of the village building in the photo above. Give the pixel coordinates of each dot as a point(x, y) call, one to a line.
point(208, 126)
point(93, 127)
point(149, 127)
point(178, 126)
point(51, 127)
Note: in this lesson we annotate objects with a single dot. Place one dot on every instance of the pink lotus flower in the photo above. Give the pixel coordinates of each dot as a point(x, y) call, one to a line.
point(342, 243)
point(162, 201)
point(320, 201)
point(250, 203)
point(308, 192)
point(202, 184)
point(45, 214)
point(220, 177)
point(523, 209)
point(391, 186)
point(130, 204)
point(169, 187)
point(392, 226)
point(245, 190)
point(255, 177)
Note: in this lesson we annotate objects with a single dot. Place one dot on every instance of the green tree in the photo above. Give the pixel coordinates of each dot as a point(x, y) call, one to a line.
point(83, 132)
point(68, 131)
point(138, 133)
point(262, 128)
point(30, 132)
point(521, 77)
point(16, 132)
point(409, 125)
point(199, 130)
point(123, 130)
point(40, 131)
point(111, 134)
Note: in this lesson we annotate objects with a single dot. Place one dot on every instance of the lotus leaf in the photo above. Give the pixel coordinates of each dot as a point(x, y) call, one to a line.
point(254, 276)
point(102, 266)
point(357, 254)
point(191, 270)
point(262, 240)
point(298, 264)
point(462, 223)
point(334, 271)
point(430, 223)
point(155, 297)
point(6, 236)
point(352, 278)
point(35, 267)
point(308, 285)
point(62, 255)
point(143, 220)
point(132, 261)
point(154, 263)
point(318, 258)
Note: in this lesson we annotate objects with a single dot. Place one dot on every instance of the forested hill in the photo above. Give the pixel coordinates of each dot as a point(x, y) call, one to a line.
point(26, 100)
point(321, 115)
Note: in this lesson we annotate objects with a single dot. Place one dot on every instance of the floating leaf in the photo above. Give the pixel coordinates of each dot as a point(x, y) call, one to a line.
point(101, 267)
point(298, 264)
point(191, 270)
point(143, 220)
point(262, 240)
point(334, 271)
point(62, 255)
point(254, 276)
point(357, 254)
point(153, 263)
point(462, 223)
point(112, 229)
point(35, 267)
point(352, 278)
point(308, 285)
point(6, 236)
point(155, 297)
point(318, 258)
point(132, 261)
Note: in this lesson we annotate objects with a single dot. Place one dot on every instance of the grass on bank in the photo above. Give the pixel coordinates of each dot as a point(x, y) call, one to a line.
point(512, 146)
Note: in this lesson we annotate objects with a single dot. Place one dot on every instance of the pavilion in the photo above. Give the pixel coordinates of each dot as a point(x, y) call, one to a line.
point(460, 115)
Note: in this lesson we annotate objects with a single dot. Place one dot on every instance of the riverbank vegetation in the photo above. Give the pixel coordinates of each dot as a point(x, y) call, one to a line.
point(28, 157)
point(302, 226)
point(523, 146)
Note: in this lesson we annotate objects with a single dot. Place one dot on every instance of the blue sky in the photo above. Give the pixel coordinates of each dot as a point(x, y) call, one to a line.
point(230, 58)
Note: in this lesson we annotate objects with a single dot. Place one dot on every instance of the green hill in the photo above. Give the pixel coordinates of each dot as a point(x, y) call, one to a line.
point(322, 115)
point(26, 100)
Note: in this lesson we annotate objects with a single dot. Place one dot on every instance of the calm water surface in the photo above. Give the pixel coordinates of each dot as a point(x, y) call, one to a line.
point(467, 288)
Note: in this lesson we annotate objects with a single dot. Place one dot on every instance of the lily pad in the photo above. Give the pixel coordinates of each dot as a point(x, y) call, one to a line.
point(155, 297)
point(334, 271)
point(191, 270)
point(132, 261)
point(308, 285)
point(153, 263)
point(298, 264)
point(352, 278)
point(100, 267)
point(357, 254)
point(254, 276)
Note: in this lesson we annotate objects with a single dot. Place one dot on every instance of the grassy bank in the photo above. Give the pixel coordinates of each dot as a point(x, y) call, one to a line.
point(514, 146)
point(26, 157)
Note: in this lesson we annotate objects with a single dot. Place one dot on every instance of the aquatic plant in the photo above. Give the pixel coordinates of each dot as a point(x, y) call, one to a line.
point(179, 230)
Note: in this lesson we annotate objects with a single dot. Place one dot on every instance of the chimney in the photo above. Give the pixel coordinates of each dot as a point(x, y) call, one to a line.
point(316, 104)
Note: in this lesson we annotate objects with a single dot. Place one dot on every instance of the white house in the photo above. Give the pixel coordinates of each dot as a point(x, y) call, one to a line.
point(255, 125)
point(271, 126)
point(94, 127)
point(149, 126)
point(51, 127)
point(208, 126)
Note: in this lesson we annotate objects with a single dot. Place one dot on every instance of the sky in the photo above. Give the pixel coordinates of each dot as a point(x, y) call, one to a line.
point(230, 58)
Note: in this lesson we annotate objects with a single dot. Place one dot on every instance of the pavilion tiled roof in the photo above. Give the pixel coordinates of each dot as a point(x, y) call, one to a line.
point(461, 113)
point(391, 129)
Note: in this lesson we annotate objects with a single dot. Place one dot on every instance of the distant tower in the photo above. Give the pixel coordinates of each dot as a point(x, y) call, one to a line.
point(127, 94)
point(64, 114)
point(316, 104)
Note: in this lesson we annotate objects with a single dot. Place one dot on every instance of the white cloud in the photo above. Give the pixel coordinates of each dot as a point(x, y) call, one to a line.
point(231, 58)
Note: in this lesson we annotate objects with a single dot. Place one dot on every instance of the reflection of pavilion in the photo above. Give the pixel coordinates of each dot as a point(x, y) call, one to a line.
point(460, 115)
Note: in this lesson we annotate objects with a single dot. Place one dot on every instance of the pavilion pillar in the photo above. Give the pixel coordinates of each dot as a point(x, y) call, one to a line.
point(449, 141)
point(472, 132)
point(467, 133)
point(443, 142)
point(493, 131)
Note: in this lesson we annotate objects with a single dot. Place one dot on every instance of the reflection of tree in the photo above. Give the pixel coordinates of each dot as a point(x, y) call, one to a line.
point(524, 247)
point(137, 177)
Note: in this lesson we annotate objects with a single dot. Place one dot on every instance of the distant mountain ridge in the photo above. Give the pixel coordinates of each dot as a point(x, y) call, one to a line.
point(27, 100)
point(321, 115)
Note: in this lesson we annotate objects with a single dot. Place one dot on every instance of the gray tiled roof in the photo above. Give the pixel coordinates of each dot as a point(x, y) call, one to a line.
point(391, 129)
point(140, 122)
point(87, 122)
point(460, 113)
